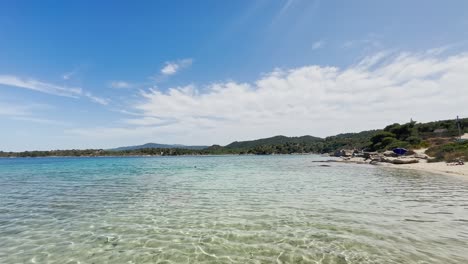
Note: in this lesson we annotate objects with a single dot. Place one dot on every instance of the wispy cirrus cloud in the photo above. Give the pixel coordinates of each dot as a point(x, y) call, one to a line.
point(27, 113)
point(362, 42)
point(9, 109)
point(68, 75)
point(319, 100)
point(286, 6)
point(318, 45)
point(291, 8)
point(371, 40)
point(120, 84)
point(149, 121)
point(172, 67)
point(96, 99)
point(49, 88)
point(35, 85)
point(38, 120)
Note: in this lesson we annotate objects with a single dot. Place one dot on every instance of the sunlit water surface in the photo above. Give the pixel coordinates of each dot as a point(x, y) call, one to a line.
point(231, 209)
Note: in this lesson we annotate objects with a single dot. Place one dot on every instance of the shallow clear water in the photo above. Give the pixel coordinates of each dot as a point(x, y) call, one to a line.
point(230, 209)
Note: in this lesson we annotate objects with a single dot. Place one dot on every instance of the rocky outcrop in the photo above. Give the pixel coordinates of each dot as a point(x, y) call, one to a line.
point(376, 158)
point(344, 153)
point(390, 157)
point(369, 155)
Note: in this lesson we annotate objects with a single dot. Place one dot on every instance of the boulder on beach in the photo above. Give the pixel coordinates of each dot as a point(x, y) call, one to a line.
point(359, 154)
point(405, 161)
point(368, 155)
point(343, 153)
point(400, 160)
point(421, 156)
point(389, 153)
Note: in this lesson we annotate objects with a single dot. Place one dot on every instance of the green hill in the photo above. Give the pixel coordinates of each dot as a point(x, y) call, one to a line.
point(276, 140)
point(439, 135)
point(276, 145)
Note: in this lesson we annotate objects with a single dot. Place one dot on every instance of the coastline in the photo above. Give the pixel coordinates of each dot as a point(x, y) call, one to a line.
point(435, 167)
point(422, 165)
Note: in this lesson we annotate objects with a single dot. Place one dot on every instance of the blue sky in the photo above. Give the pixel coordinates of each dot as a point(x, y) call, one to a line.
point(100, 74)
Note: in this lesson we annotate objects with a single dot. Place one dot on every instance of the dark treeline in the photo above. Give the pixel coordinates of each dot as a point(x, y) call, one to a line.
point(410, 135)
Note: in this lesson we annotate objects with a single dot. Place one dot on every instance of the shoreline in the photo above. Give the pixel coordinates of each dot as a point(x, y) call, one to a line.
point(422, 165)
point(435, 167)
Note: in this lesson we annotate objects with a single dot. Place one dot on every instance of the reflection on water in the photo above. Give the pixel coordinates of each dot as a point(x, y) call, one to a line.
point(268, 209)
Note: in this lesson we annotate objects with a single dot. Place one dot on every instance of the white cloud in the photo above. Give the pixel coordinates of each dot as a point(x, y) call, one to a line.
point(43, 121)
point(371, 41)
point(172, 67)
point(69, 75)
point(99, 100)
point(26, 112)
point(58, 90)
point(10, 80)
point(315, 100)
point(120, 84)
point(148, 121)
point(318, 44)
point(8, 109)
point(287, 4)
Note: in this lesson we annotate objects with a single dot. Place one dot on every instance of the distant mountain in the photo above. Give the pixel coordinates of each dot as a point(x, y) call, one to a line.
point(156, 145)
point(276, 140)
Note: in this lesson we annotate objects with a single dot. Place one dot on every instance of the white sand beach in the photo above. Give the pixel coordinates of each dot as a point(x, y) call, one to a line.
point(422, 165)
point(435, 167)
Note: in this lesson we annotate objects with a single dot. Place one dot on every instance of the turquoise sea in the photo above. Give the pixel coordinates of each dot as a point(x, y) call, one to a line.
point(227, 209)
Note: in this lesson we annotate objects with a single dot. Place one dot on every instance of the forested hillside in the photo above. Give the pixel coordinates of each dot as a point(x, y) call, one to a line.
point(439, 135)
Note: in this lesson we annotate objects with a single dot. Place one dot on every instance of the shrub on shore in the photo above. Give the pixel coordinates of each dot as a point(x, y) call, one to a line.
point(449, 152)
